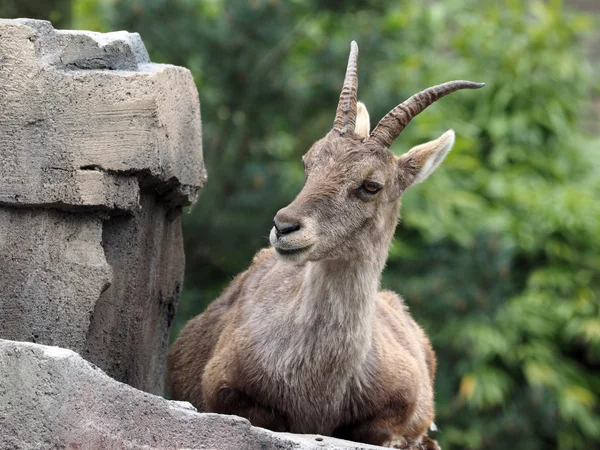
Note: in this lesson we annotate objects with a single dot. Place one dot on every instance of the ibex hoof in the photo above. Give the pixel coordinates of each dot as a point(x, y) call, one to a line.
point(396, 442)
point(423, 443)
point(429, 444)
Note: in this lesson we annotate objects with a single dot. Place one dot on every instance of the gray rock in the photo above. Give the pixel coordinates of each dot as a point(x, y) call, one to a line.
point(128, 331)
point(53, 272)
point(52, 398)
point(99, 151)
point(77, 101)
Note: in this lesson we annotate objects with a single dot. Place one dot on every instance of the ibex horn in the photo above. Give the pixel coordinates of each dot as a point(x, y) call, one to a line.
point(390, 127)
point(345, 116)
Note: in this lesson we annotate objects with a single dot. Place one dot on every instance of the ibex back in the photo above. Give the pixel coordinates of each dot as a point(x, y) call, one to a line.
point(304, 341)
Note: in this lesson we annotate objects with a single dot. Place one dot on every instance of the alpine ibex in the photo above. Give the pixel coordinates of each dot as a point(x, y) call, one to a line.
point(303, 341)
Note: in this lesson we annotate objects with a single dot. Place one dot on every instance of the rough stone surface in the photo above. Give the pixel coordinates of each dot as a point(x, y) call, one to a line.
point(144, 252)
point(52, 398)
point(53, 272)
point(99, 150)
point(75, 102)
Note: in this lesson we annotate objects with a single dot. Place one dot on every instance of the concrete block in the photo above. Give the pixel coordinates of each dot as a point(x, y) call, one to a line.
point(52, 398)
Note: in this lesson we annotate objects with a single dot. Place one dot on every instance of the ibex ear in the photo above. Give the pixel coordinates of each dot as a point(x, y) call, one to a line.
point(421, 161)
point(363, 123)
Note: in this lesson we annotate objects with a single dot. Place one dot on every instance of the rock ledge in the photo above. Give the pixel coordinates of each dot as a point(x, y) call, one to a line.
point(50, 397)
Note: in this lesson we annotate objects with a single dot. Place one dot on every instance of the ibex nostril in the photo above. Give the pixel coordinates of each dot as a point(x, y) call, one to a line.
point(290, 228)
point(285, 227)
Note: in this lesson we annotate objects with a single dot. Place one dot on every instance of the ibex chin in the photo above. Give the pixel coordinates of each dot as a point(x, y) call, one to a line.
point(303, 341)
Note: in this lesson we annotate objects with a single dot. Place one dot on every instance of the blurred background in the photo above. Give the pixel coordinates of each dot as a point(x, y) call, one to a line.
point(497, 254)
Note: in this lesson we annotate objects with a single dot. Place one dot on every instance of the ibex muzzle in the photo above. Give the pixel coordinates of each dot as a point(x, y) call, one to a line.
point(304, 341)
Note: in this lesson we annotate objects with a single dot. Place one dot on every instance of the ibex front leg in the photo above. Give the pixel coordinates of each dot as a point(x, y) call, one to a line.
point(223, 397)
point(387, 431)
point(402, 423)
point(228, 400)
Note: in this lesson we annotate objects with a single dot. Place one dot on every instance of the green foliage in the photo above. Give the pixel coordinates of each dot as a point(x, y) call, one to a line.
point(57, 11)
point(504, 243)
point(498, 253)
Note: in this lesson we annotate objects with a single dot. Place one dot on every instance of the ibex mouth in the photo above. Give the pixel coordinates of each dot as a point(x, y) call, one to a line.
point(292, 253)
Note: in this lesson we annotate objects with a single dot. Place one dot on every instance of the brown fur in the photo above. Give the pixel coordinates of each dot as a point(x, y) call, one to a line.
point(304, 341)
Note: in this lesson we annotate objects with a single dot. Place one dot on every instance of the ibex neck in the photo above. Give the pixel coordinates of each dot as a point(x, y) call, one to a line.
point(334, 316)
point(336, 305)
point(336, 292)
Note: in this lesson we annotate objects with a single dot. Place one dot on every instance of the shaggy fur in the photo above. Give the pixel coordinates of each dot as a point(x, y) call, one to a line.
point(304, 341)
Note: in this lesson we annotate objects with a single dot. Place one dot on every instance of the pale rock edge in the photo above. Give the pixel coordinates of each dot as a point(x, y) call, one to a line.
point(51, 397)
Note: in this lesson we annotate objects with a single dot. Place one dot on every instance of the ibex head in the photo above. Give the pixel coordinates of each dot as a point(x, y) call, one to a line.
point(353, 182)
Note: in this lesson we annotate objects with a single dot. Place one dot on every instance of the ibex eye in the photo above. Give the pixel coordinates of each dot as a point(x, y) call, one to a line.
point(371, 187)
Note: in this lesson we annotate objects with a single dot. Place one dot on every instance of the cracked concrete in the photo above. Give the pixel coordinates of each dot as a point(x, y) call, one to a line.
point(99, 149)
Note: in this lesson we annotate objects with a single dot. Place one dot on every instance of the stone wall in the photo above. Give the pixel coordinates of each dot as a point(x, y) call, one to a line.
point(99, 151)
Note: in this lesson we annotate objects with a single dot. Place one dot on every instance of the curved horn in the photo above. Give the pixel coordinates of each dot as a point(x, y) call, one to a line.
point(390, 127)
point(345, 116)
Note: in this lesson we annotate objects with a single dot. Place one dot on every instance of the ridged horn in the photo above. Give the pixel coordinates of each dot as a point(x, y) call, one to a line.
point(345, 115)
point(390, 127)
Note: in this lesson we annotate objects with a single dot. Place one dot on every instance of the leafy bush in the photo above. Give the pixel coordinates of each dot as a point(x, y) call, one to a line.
point(498, 253)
